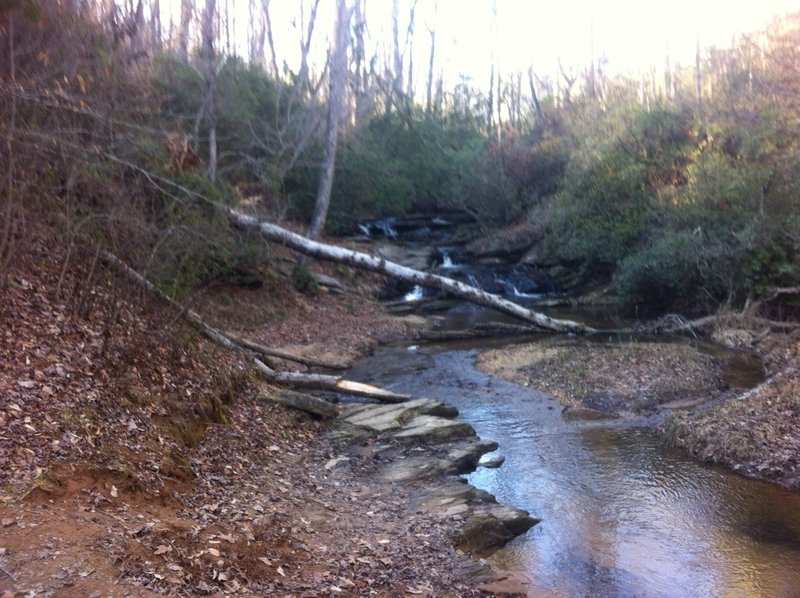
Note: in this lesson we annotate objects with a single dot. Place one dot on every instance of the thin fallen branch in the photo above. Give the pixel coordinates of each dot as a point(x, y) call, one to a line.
point(326, 382)
point(675, 323)
point(220, 337)
point(365, 261)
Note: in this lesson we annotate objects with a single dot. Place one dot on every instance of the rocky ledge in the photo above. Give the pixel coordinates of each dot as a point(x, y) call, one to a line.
point(421, 443)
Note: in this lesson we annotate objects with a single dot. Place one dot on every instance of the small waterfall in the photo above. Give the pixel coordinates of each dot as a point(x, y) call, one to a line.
point(365, 230)
point(414, 294)
point(447, 261)
point(386, 229)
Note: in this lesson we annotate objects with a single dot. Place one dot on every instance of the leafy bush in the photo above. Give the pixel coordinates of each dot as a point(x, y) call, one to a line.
point(661, 275)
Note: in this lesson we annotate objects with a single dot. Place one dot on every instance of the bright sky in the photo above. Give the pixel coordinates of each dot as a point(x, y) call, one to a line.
point(632, 34)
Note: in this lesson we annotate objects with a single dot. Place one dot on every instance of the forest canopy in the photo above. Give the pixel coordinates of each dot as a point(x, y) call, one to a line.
point(679, 189)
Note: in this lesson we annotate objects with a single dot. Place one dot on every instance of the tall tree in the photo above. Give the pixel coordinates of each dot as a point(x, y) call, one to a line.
point(210, 75)
point(258, 33)
point(336, 91)
point(305, 43)
point(429, 86)
point(272, 55)
point(187, 9)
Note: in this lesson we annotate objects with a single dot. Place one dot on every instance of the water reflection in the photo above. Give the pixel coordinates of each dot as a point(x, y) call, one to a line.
point(621, 515)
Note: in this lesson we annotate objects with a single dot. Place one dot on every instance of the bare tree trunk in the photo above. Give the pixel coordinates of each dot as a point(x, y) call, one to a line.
point(373, 263)
point(211, 86)
point(155, 25)
point(535, 97)
point(429, 89)
point(305, 46)
point(7, 239)
point(228, 17)
point(397, 80)
point(490, 102)
point(360, 57)
point(409, 48)
point(667, 76)
point(336, 90)
point(268, 22)
point(187, 9)
point(697, 80)
point(257, 31)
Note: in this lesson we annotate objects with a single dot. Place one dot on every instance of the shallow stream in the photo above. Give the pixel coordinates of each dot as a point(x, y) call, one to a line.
point(621, 514)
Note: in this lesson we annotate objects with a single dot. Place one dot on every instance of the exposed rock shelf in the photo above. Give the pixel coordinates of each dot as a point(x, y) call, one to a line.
point(421, 443)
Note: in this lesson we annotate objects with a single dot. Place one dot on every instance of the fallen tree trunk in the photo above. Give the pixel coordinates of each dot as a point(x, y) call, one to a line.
point(221, 337)
point(304, 402)
point(335, 383)
point(365, 261)
point(234, 343)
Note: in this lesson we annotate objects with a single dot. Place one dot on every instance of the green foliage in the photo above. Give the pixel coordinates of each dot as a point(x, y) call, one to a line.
point(303, 279)
point(662, 274)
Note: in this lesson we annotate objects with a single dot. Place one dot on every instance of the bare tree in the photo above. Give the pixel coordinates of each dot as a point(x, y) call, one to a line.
point(211, 85)
point(258, 33)
point(397, 79)
point(336, 91)
point(305, 44)
point(360, 59)
point(409, 48)
point(534, 96)
point(187, 10)
point(155, 25)
point(268, 23)
point(429, 86)
point(697, 79)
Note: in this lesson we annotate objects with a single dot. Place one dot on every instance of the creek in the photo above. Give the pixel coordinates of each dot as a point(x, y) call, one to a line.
point(621, 514)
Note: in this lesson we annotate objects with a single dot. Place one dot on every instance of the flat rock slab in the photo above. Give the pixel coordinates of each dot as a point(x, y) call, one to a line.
point(459, 457)
point(422, 444)
point(431, 429)
point(402, 416)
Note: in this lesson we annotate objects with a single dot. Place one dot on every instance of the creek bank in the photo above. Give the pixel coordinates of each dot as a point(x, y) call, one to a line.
point(612, 378)
point(421, 444)
point(758, 434)
point(711, 413)
point(140, 461)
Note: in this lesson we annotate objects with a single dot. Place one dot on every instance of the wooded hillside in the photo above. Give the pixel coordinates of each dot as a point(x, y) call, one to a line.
point(130, 133)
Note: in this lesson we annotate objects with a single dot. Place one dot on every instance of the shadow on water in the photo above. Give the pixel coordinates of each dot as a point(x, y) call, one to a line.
point(621, 514)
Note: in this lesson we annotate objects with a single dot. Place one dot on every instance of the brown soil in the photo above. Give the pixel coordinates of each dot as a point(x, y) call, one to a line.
point(613, 378)
point(139, 461)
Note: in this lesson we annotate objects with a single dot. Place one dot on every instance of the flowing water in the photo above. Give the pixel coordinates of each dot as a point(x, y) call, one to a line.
point(621, 514)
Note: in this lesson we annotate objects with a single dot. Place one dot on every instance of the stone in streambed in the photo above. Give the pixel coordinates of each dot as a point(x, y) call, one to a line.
point(430, 429)
point(489, 527)
point(460, 458)
point(492, 462)
point(465, 457)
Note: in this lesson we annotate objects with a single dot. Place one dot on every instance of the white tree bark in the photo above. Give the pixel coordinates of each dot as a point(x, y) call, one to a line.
point(335, 383)
point(365, 261)
point(336, 93)
point(211, 85)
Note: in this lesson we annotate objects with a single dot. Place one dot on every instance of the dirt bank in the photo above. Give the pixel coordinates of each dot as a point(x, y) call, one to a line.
point(758, 434)
point(139, 461)
point(610, 377)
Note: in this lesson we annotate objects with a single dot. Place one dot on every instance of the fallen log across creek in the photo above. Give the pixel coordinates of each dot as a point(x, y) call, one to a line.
point(365, 261)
